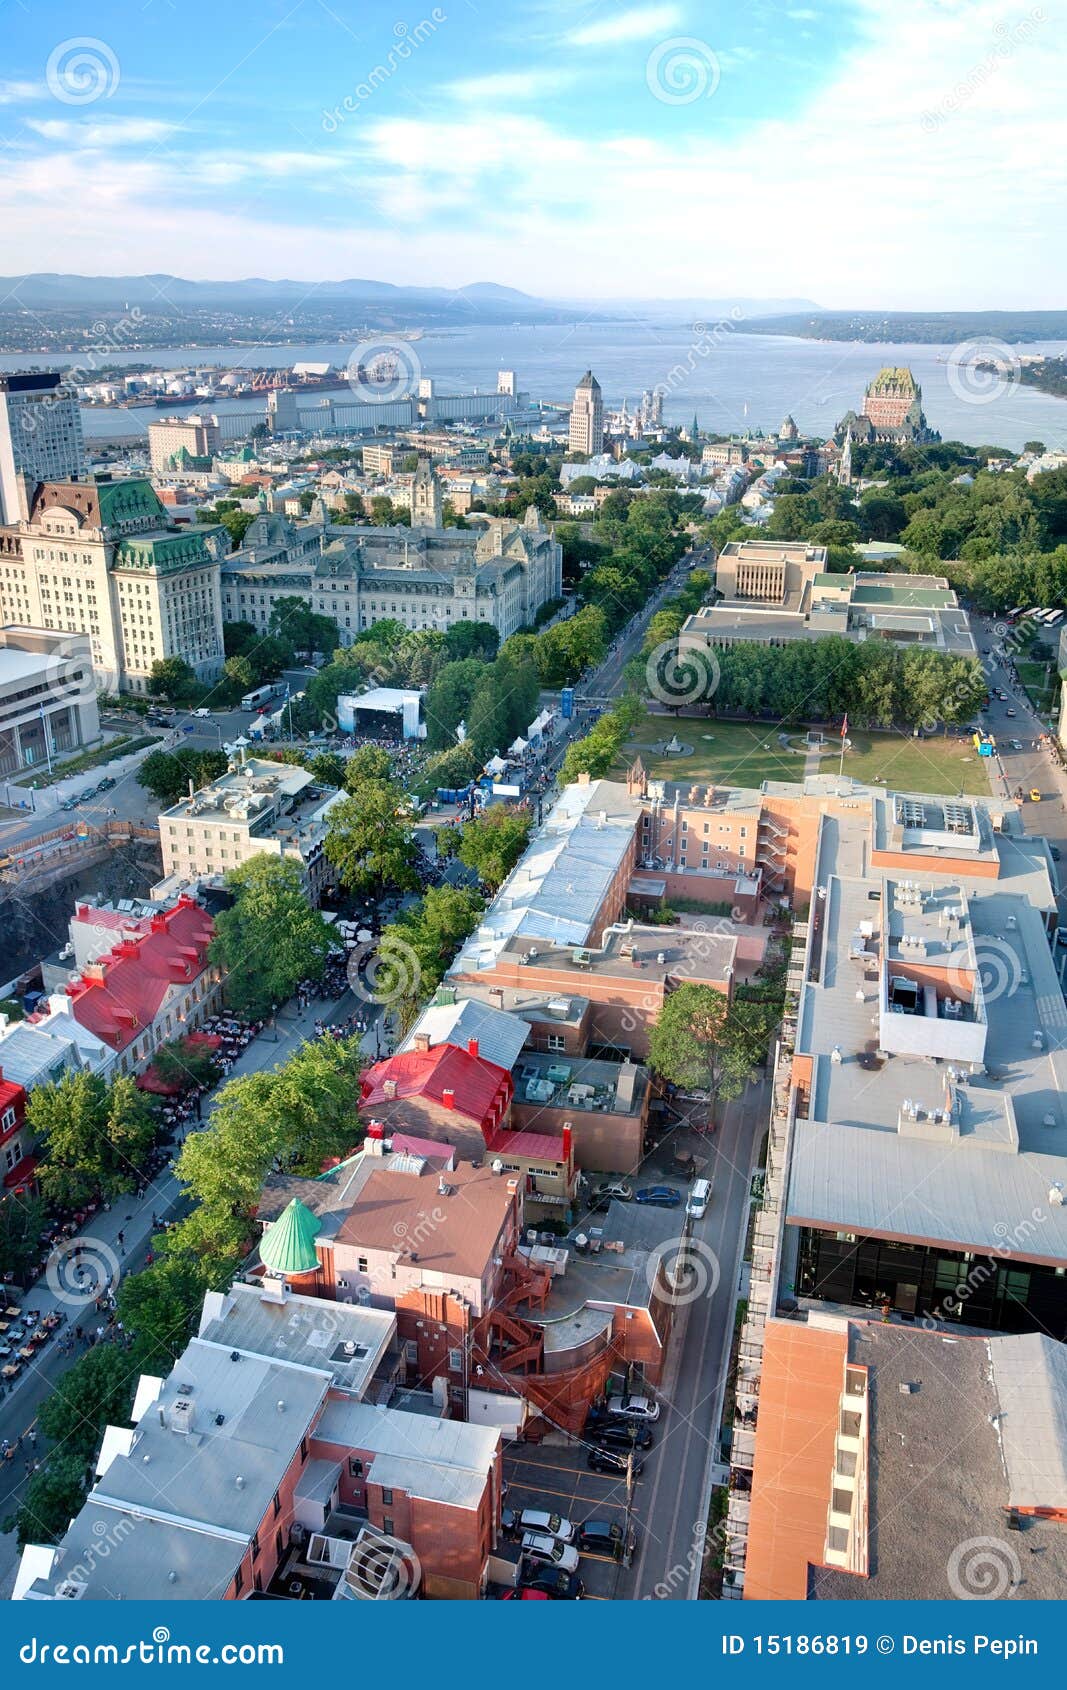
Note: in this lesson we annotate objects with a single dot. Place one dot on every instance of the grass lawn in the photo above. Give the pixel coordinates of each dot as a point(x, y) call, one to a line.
point(120, 746)
point(1044, 695)
point(746, 754)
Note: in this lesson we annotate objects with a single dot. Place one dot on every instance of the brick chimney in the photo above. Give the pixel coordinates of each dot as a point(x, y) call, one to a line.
point(472, 1048)
point(448, 1098)
point(422, 1042)
point(389, 1088)
point(568, 1132)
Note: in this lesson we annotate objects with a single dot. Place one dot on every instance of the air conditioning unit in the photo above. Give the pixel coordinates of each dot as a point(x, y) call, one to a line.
point(71, 1590)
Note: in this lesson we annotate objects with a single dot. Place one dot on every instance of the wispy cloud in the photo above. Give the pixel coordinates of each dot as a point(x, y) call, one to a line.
point(118, 132)
point(20, 93)
point(642, 23)
point(509, 85)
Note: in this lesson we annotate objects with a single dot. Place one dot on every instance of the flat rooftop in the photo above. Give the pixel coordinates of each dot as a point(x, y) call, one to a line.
point(580, 1300)
point(937, 1476)
point(644, 953)
point(346, 1340)
point(859, 1161)
point(566, 1082)
point(255, 794)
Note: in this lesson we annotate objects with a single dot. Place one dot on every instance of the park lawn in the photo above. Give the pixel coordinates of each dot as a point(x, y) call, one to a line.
point(1044, 693)
point(746, 754)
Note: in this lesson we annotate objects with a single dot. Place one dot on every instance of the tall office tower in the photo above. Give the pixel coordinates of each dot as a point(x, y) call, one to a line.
point(587, 417)
point(40, 435)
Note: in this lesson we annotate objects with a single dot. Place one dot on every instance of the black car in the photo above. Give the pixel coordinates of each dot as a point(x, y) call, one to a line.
point(106, 784)
point(611, 1461)
point(1055, 853)
point(605, 1537)
point(621, 1434)
point(553, 1581)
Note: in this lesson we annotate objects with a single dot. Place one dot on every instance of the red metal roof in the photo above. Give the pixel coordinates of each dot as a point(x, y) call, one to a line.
point(538, 1147)
point(12, 1096)
point(121, 993)
point(477, 1084)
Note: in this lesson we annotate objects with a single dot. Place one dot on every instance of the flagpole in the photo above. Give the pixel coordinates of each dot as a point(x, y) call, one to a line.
point(841, 766)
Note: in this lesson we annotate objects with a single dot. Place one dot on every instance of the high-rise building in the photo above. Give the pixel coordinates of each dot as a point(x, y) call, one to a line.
point(587, 416)
point(40, 435)
point(102, 558)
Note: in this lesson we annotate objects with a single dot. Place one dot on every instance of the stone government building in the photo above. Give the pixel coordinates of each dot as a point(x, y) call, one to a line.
point(426, 576)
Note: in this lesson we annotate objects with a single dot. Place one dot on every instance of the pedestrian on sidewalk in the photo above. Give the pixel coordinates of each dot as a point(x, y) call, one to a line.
point(122, 1241)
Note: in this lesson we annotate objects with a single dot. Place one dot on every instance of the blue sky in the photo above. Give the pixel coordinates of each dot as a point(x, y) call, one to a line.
point(857, 153)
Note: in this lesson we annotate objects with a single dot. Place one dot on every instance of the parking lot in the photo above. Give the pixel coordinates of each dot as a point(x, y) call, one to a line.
point(555, 1477)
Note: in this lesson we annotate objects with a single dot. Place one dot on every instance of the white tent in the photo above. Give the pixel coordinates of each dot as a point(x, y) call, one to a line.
point(517, 747)
point(495, 766)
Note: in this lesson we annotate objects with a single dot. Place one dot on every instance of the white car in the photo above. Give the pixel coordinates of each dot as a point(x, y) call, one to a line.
point(549, 1552)
point(202, 712)
point(634, 1408)
point(551, 1525)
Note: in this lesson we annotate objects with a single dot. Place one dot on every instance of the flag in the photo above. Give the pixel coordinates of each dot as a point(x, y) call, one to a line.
point(844, 726)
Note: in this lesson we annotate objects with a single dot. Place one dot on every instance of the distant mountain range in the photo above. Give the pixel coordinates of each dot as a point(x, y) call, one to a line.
point(479, 301)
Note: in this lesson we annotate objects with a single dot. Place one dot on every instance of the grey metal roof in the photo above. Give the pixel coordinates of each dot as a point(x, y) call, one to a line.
point(500, 1036)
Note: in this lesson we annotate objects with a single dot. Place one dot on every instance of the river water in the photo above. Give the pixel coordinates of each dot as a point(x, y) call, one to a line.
point(731, 381)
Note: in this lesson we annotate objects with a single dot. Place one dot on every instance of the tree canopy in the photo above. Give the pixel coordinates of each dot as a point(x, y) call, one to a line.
point(271, 938)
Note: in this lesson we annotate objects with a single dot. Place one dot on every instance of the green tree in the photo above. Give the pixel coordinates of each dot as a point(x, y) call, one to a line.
point(369, 762)
point(700, 1044)
point(448, 700)
point(22, 1220)
point(306, 630)
point(96, 1137)
point(471, 639)
point(493, 842)
point(159, 1307)
point(185, 1063)
point(171, 678)
point(368, 841)
point(239, 672)
point(327, 768)
point(271, 938)
point(53, 1496)
point(95, 1393)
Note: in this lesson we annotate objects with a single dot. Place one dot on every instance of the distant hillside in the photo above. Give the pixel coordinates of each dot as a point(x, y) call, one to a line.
point(160, 295)
point(942, 328)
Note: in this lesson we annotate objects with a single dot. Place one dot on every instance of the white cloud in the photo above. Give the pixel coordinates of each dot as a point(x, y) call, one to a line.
point(18, 93)
point(116, 132)
point(509, 85)
point(639, 24)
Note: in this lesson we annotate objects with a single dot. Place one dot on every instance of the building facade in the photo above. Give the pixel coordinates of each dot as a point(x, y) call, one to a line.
point(426, 576)
point(174, 442)
point(102, 558)
point(40, 435)
point(47, 697)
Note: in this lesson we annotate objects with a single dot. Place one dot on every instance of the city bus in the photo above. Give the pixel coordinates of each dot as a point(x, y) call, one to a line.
point(1054, 618)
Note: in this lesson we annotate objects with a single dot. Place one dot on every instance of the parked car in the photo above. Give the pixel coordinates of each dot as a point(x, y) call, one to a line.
point(69, 804)
point(615, 1190)
point(605, 1537)
point(1055, 850)
point(554, 1583)
point(87, 795)
point(525, 1593)
point(106, 784)
point(1061, 936)
point(643, 1409)
point(621, 1434)
point(541, 1550)
point(660, 1196)
point(202, 711)
point(554, 1525)
point(700, 1196)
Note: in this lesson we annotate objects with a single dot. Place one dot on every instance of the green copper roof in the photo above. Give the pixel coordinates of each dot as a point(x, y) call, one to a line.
point(128, 501)
point(288, 1244)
